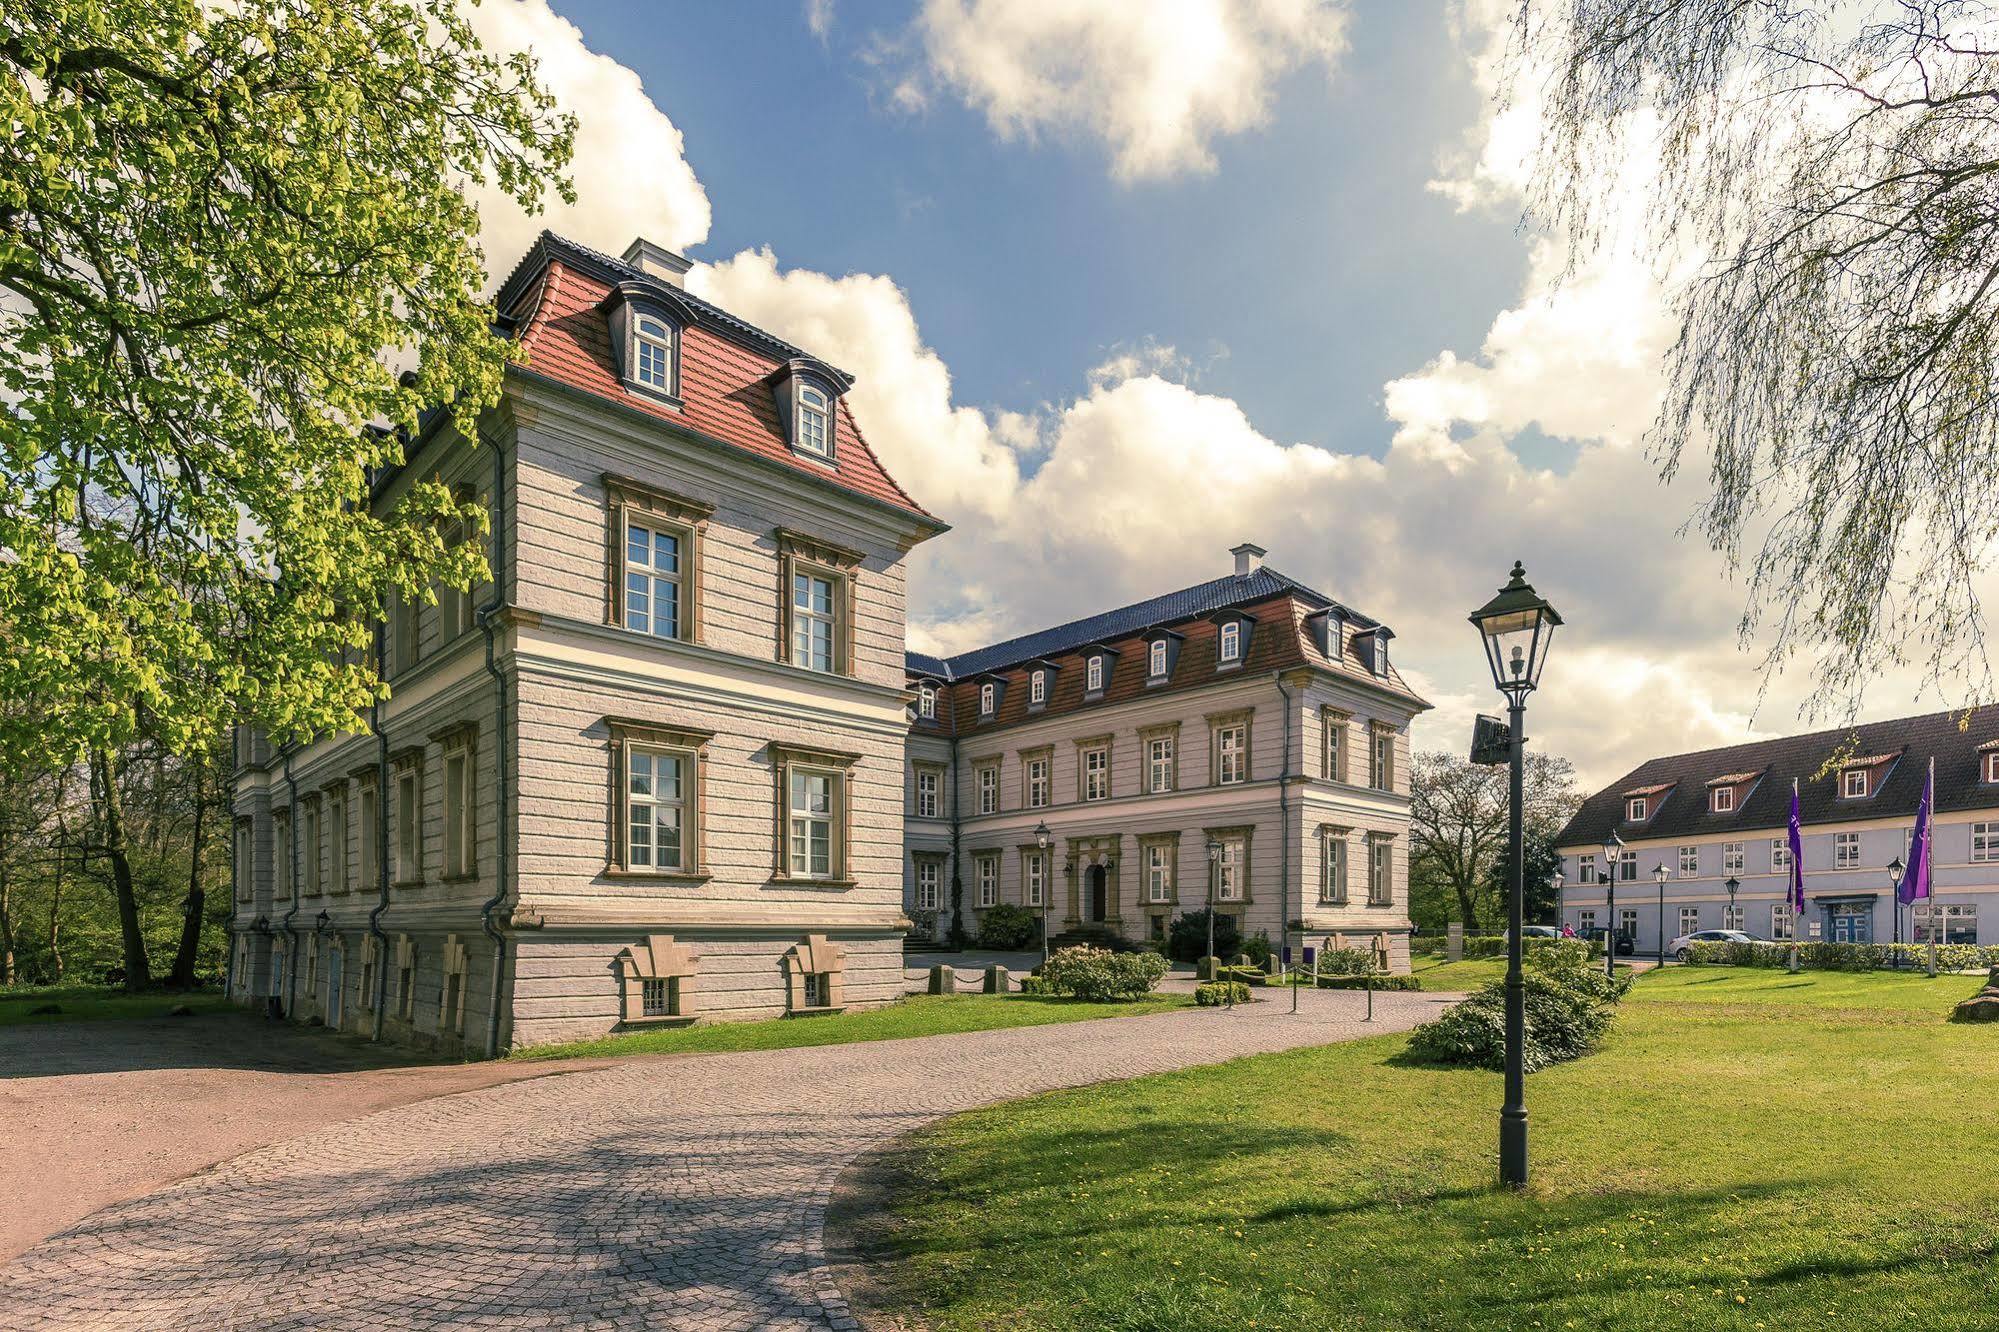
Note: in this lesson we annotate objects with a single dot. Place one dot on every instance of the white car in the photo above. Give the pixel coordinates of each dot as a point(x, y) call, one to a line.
point(1679, 946)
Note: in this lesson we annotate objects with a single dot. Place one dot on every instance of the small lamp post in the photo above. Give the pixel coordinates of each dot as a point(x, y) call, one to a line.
point(1613, 847)
point(1516, 627)
point(1895, 871)
point(1734, 886)
point(1561, 913)
point(1214, 868)
point(1659, 875)
point(1041, 841)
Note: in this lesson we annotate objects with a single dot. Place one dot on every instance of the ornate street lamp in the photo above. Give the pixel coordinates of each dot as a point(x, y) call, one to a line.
point(1214, 868)
point(1613, 848)
point(1047, 889)
point(1895, 871)
point(1516, 627)
point(1734, 885)
point(1659, 874)
point(1561, 913)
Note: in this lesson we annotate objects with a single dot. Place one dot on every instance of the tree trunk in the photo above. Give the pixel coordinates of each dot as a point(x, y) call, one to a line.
point(6, 922)
point(190, 929)
point(55, 906)
point(1467, 911)
point(138, 972)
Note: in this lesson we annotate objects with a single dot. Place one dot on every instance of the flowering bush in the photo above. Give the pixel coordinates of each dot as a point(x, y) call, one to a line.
point(1099, 974)
point(1345, 962)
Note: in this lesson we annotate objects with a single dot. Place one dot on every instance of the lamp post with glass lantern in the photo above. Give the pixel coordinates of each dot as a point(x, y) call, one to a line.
point(1734, 886)
point(1214, 868)
point(1041, 842)
point(1613, 846)
point(1896, 869)
point(1561, 912)
point(1516, 627)
point(1659, 874)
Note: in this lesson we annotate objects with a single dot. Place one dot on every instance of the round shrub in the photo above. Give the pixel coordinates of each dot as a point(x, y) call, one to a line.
point(1345, 962)
point(1187, 938)
point(1006, 927)
point(1215, 993)
point(1566, 1019)
point(1099, 974)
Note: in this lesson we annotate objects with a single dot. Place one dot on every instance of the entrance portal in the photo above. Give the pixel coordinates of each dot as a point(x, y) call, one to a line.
point(1099, 894)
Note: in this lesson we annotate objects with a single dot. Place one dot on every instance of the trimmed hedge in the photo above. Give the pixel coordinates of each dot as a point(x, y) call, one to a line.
point(1844, 956)
point(1380, 980)
point(1215, 993)
point(1494, 945)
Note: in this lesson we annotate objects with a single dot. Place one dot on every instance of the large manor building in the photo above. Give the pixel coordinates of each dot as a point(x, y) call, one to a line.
point(1721, 815)
point(1246, 738)
point(654, 772)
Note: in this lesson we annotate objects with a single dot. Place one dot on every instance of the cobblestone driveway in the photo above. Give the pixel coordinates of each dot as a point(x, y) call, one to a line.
point(673, 1193)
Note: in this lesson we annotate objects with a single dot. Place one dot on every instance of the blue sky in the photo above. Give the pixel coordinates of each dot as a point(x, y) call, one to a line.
point(1312, 267)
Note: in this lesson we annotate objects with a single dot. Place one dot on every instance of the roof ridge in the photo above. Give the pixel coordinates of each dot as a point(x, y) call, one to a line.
point(1803, 736)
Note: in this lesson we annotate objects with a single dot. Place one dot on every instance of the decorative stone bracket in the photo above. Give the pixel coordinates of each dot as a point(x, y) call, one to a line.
point(823, 961)
point(659, 958)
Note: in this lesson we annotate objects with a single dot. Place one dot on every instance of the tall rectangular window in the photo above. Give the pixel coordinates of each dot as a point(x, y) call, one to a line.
point(928, 780)
point(1155, 659)
point(309, 853)
point(1159, 763)
point(1732, 859)
point(988, 699)
point(282, 853)
point(812, 623)
point(246, 864)
point(1336, 766)
point(652, 580)
point(1380, 871)
point(1985, 841)
point(1690, 862)
point(989, 788)
point(1231, 642)
point(811, 820)
point(371, 835)
point(1034, 874)
point(1627, 866)
point(1381, 760)
point(1846, 850)
point(1690, 919)
point(1585, 869)
point(656, 790)
point(1093, 676)
point(1229, 870)
point(1780, 855)
point(1037, 782)
point(929, 877)
point(1732, 915)
point(336, 838)
point(1780, 922)
point(1586, 921)
point(1037, 688)
point(1158, 873)
point(926, 702)
point(1232, 754)
point(409, 825)
point(1096, 772)
point(652, 354)
point(461, 826)
point(1333, 869)
point(986, 869)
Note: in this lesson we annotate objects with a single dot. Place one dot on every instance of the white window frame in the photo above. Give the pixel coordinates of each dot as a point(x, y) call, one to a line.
point(654, 578)
point(1690, 919)
point(1690, 862)
point(1228, 650)
point(1780, 921)
point(1155, 660)
point(1335, 750)
point(1096, 761)
point(652, 353)
point(806, 619)
point(1333, 870)
point(1733, 858)
point(1037, 687)
point(985, 868)
point(1034, 877)
point(1038, 781)
point(1381, 759)
point(1853, 784)
point(1232, 754)
point(1732, 915)
point(1229, 866)
point(926, 702)
point(1093, 675)
point(801, 819)
point(1780, 855)
point(1585, 920)
point(929, 885)
point(988, 699)
point(1158, 873)
point(929, 787)
point(1992, 765)
point(679, 806)
point(815, 422)
point(1984, 842)
point(1380, 871)
point(1159, 763)
point(989, 788)
point(1846, 850)
point(1634, 810)
point(1721, 800)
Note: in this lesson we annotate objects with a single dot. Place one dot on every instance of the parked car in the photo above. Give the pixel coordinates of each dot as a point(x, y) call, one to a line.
point(1539, 932)
point(1678, 948)
point(1627, 943)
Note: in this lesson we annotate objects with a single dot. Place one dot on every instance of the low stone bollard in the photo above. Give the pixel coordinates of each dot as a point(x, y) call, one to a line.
point(1454, 942)
point(1205, 968)
point(942, 981)
point(996, 980)
point(1983, 1006)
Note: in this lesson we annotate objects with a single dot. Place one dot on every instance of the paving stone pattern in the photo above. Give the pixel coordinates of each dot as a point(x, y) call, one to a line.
point(685, 1193)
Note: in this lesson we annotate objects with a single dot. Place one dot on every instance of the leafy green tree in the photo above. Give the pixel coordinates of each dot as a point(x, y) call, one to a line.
point(1458, 830)
point(223, 228)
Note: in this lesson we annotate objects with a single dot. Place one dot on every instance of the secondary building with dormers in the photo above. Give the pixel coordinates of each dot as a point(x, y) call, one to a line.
point(1250, 712)
point(1721, 814)
point(652, 772)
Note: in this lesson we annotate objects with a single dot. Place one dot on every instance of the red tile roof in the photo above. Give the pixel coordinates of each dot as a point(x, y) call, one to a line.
point(724, 382)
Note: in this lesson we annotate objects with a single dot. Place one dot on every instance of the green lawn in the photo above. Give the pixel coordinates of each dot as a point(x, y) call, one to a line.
point(919, 1015)
point(1747, 1152)
point(86, 1003)
point(1437, 974)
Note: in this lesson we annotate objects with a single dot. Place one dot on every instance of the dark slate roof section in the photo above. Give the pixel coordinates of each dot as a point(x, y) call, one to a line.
point(617, 270)
point(1684, 813)
point(1188, 602)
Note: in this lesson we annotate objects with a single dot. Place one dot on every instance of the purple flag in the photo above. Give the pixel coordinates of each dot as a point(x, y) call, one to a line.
point(1797, 841)
point(1916, 879)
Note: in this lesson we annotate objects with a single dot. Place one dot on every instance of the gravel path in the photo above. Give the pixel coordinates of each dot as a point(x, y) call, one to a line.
point(685, 1193)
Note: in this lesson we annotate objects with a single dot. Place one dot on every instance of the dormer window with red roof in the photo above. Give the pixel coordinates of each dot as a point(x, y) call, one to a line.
point(808, 394)
point(1634, 810)
point(1853, 784)
point(645, 338)
point(652, 353)
point(815, 428)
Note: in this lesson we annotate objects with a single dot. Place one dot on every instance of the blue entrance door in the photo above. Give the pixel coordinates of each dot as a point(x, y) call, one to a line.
point(1852, 925)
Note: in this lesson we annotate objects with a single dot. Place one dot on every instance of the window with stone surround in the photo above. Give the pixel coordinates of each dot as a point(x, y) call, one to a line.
point(1034, 876)
point(1333, 864)
point(461, 803)
point(813, 793)
point(1846, 850)
point(1229, 753)
point(1034, 769)
point(657, 977)
point(336, 837)
point(816, 629)
point(1161, 860)
point(929, 883)
point(1381, 757)
point(985, 875)
point(1334, 751)
point(1093, 768)
point(1162, 758)
point(1380, 869)
point(656, 818)
point(407, 825)
point(654, 539)
point(1732, 858)
point(309, 848)
point(281, 857)
point(929, 785)
point(988, 783)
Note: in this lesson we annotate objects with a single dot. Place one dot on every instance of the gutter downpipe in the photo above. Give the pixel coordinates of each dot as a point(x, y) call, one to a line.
point(1284, 840)
point(957, 882)
point(489, 624)
point(382, 802)
point(291, 952)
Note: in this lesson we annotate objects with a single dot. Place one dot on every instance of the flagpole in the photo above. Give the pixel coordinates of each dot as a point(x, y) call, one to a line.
point(1929, 875)
point(1794, 891)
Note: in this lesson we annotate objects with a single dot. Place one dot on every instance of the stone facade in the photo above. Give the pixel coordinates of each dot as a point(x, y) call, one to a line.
point(1288, 749)
point(564, 818)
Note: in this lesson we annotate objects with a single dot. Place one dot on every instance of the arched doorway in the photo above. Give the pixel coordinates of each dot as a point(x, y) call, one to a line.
point(1099, 893)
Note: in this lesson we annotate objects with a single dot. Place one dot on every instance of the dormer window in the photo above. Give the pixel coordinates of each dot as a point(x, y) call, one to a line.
point(1093, 676)
point(1037, 688)
point(1230, 651)
point(1721, 800)
point(815, 434)
point(1634, 810)
point(1380, 662)
point(652, 353)
point(1156, 659)
point(988, 699)
point(926, 702)
point(1992, 765)
point(1853, 784)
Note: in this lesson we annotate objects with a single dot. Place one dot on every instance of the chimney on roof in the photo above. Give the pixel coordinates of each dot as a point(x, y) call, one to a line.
point(658, 261)
point(1248, 559)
